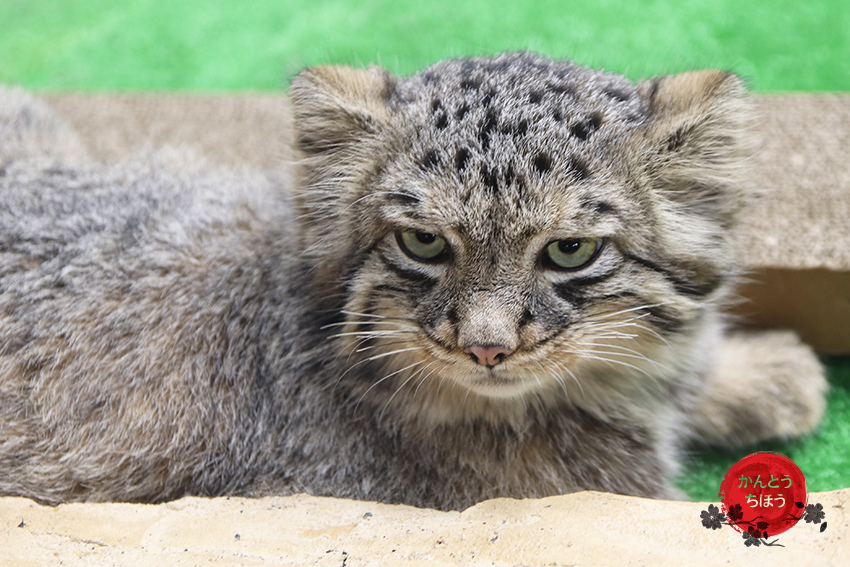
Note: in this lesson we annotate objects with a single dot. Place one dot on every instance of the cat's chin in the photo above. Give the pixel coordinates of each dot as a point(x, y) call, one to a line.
point(500, 386)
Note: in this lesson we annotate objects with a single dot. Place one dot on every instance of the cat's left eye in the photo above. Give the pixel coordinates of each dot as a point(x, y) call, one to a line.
point(422, 246)
point(572, 254)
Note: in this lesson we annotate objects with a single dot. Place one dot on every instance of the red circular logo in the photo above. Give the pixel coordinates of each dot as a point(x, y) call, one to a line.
point(763, 494)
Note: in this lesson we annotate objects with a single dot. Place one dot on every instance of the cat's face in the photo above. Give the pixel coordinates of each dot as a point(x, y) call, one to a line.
point(516, 225)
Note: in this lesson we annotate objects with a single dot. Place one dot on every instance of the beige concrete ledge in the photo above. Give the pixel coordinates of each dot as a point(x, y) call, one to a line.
point(578, 529)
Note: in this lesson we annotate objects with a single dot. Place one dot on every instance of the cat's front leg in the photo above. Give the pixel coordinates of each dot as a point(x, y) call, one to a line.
point(764, 385)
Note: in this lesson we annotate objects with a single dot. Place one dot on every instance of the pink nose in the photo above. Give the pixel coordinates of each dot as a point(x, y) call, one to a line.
point(489, 355)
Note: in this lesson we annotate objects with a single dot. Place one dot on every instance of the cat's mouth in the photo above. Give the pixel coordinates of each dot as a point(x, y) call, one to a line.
point(509, 378)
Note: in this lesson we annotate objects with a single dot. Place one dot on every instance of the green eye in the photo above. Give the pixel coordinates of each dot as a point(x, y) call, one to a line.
point(422, 246)
point(573, 254)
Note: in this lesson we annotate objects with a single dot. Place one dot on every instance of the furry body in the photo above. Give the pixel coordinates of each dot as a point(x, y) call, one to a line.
point(169, 329)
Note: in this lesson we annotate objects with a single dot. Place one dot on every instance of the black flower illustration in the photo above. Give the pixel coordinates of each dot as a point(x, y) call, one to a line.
point(735, 513)
point(713, 518)
point(750, 539)
point(814, 513)
point(757, 529)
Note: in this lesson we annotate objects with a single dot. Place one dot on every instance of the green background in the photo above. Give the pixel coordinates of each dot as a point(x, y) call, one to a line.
point(213, 45)
point(778, 45)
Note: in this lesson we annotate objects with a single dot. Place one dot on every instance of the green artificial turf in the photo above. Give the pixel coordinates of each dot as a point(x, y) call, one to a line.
point(215, 45)
point(824, 457)
point(779, 45)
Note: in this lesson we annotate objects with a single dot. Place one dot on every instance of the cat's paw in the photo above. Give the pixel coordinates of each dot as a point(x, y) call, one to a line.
point(765, 385)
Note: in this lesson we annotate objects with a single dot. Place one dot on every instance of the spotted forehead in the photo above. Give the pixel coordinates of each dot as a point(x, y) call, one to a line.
point(500, 135)
point(519, 77)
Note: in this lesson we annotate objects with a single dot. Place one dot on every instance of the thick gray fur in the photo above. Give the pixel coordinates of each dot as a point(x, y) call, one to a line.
point(171, 328)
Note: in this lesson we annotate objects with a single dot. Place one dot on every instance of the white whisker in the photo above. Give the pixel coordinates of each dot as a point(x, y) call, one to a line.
point(356, 314)
point(566, 369)
point(593, 356)
point(357, 323)
point(376, 334)
point(554, 375)
point(373, 358)
point(629, 310)
point(629, 354)
point(391, 353)
point(397, 390)
point(382, 344)
point(425, 377)
point(388, 376)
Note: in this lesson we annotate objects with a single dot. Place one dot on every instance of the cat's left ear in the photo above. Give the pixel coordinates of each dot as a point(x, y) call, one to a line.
point(696, 136)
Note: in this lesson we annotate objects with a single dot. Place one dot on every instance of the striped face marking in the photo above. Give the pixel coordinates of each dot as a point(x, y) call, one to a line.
point(515, 232)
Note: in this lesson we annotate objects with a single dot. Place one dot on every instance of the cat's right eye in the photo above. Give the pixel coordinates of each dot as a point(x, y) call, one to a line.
point(422, 246)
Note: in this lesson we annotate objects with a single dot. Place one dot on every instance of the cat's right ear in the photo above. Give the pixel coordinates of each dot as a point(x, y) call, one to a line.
point(341, 117)
point(336, 108)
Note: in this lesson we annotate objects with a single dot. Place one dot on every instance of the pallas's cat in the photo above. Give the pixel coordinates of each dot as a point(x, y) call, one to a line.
point(498, 277)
